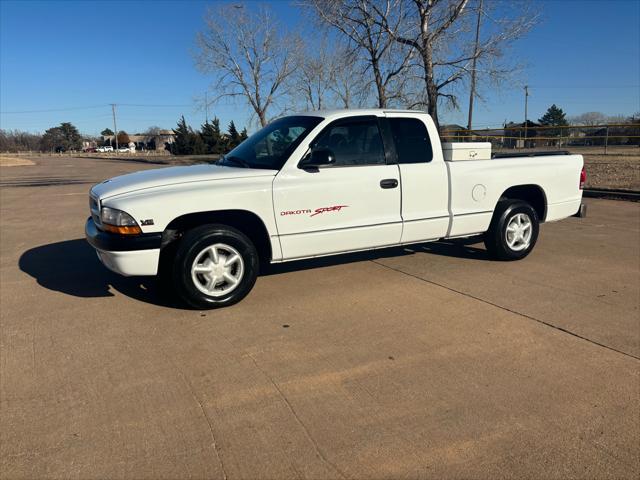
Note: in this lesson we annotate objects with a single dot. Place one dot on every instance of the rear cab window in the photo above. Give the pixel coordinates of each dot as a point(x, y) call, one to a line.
point(411, 140)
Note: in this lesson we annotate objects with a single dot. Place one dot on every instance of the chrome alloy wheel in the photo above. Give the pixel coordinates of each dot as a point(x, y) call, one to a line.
point(217, 270)
point(519, 231)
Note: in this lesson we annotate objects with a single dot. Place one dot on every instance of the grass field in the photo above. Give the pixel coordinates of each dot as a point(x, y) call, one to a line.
point(14, 161)
point(611, 171)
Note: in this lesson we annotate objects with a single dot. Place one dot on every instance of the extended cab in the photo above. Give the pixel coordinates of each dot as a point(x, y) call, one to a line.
point(323, 183)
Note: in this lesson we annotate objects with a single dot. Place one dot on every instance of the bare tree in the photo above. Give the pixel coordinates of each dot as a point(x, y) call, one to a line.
point(620, 118)
point(248, 55)
point(18, 141)
point(384, 59)
point(314, 75)
point(589, 119)
point(349, 87)
point(153, 130)
point(325, 77)
point(442, 34)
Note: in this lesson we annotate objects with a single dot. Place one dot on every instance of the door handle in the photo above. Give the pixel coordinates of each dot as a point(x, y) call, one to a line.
point(389, 183)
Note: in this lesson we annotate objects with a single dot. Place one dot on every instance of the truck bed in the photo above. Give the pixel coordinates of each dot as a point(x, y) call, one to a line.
point(476, 187)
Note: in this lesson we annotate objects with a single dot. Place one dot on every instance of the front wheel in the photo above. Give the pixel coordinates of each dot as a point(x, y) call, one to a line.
point(513, 231)
point(214, 266)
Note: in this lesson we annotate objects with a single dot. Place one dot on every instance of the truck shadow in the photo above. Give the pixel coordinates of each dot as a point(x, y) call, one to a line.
point(459, 248)
point(72, 267)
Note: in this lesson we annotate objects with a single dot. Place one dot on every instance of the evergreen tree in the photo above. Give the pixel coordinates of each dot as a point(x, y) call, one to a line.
point(554, 117)
point(53, 139)
point(233, 135)
point(71, 135)
point(243, 134)
point(190, 142)
point(212, 137)
point(106, 132)
point(196, 144)
point(64, 137)
point(181, 144)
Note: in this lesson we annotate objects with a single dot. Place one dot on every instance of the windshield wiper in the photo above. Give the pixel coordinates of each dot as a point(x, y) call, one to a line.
point(236, 160)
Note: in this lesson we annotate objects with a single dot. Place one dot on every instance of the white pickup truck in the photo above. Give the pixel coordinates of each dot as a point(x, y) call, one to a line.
point(323, 183)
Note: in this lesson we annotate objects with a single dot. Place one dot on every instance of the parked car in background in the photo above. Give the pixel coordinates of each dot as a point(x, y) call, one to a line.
point(90, 150)
point(126, 150)
point(106, 148)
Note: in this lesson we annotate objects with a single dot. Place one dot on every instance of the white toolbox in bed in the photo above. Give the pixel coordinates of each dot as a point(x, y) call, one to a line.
point(454, 152)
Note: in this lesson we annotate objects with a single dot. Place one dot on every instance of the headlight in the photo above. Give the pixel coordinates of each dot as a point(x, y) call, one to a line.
point(117, 221)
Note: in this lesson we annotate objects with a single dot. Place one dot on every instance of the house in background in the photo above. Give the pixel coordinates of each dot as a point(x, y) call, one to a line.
point(495, 136)
point(576, 136)
point(150, 142)
point(88, 144)
point(458, 133)
point(616, 135)
point(453, 133)
point(514, 135)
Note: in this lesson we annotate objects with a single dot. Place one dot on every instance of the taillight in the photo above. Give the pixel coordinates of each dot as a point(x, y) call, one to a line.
point(583, 178)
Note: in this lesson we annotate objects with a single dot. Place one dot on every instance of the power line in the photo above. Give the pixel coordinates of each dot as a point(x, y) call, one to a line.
point(55, 109)
point(68, 109)
point(152, 106)
point(584, 86)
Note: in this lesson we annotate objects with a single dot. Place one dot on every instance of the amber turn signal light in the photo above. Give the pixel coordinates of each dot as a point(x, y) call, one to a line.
point(129, 230)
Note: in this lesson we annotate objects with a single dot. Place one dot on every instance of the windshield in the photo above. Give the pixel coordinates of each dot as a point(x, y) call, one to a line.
point(270, 146)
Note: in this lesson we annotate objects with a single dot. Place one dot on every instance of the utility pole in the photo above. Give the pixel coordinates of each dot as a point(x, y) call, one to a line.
point(526, 119)
point(473, 68)
point(115, 127)
point(206, 107)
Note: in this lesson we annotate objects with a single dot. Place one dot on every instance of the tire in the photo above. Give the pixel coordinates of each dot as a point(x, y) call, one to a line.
point(508, 237)
point(208, 260)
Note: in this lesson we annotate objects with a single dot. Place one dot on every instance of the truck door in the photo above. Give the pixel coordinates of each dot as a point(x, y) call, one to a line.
point(351, 204)
point(423, 176)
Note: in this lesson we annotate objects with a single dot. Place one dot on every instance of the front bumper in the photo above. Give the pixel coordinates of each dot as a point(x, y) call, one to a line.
point(127, 255)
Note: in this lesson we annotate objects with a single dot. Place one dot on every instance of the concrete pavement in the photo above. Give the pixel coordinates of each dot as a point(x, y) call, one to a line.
point(421, 362)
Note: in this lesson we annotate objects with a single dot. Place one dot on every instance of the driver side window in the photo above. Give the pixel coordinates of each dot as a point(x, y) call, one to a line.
point(353, 143)
point(276, 143)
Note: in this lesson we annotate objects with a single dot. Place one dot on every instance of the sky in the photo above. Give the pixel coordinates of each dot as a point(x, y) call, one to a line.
point(68, 61)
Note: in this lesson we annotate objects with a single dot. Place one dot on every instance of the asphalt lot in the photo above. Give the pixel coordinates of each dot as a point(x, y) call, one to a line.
point(425, 362)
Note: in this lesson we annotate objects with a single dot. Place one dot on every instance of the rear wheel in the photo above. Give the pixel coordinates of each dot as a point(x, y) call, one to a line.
point(214, 266)
point(513, 231)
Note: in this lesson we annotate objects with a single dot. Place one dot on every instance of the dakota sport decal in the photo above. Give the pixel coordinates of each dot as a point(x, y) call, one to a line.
point(317, 211)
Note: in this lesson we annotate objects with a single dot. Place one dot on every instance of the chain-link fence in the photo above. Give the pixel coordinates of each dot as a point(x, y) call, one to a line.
point(603, 139)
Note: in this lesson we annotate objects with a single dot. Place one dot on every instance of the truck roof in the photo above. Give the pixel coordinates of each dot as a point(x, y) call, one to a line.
point(337, 113)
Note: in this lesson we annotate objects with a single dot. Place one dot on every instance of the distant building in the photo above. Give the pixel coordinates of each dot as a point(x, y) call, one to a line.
point(150, 142)
point(453, 133)
point(616, 135)
point(576, 136)
point(458, 133)
point(495, 136)
point(514, 135)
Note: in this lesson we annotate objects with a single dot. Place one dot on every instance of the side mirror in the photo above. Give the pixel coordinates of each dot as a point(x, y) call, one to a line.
point(321, 157)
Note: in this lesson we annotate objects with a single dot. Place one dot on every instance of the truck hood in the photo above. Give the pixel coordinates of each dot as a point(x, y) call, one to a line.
point(171, 176)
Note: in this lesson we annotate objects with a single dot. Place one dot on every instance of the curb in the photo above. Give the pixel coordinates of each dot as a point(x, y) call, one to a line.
point(629, 195)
